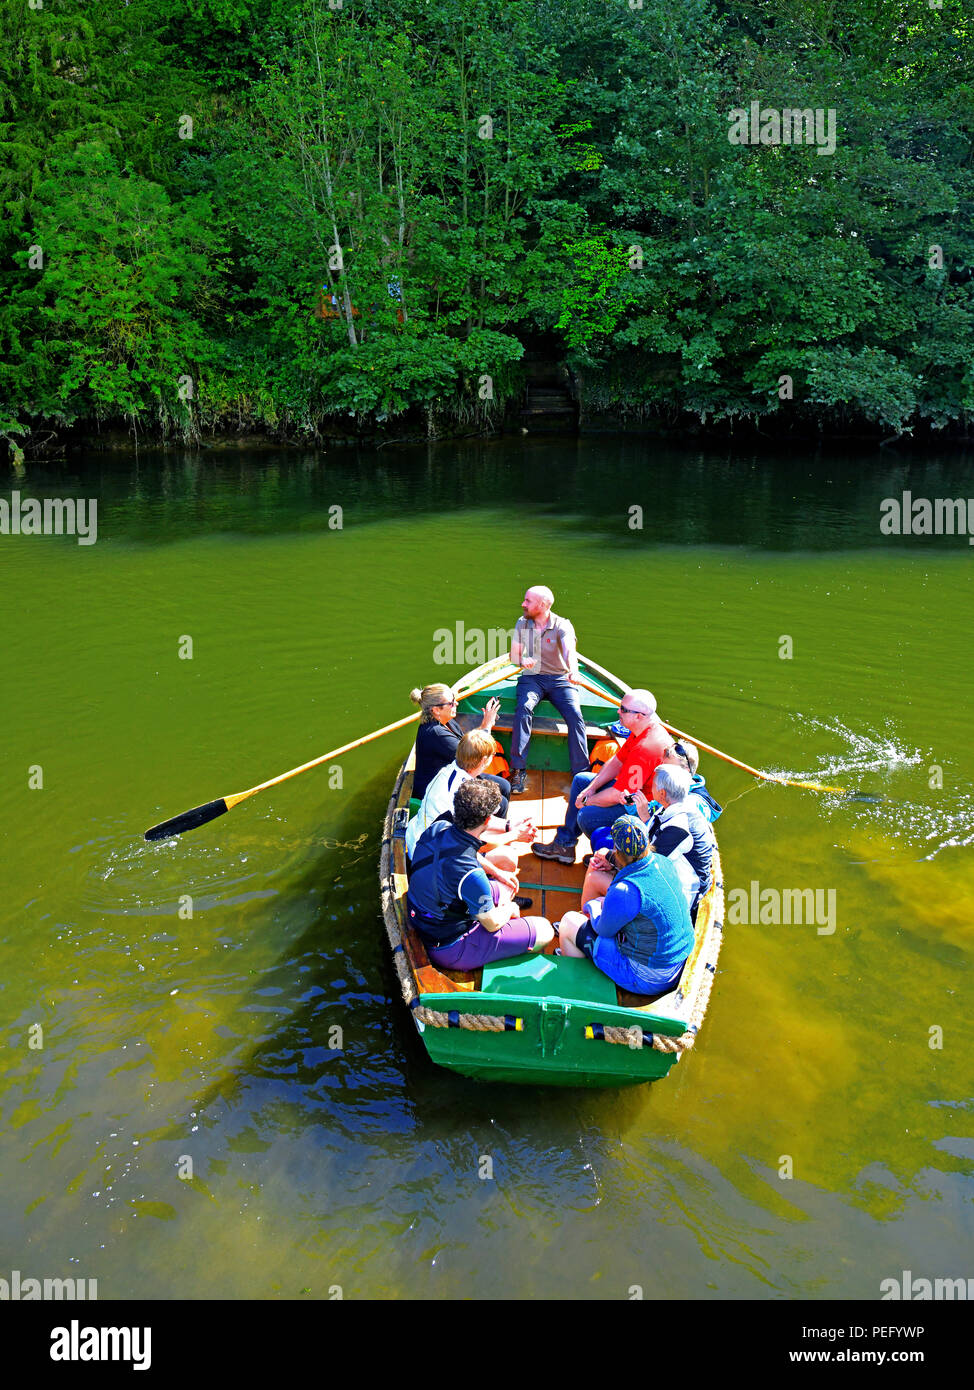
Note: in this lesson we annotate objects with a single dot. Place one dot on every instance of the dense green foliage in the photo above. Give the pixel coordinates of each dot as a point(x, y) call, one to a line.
point(187, 184)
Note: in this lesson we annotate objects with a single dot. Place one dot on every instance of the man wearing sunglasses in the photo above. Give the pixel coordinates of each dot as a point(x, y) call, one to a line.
point(599, 798)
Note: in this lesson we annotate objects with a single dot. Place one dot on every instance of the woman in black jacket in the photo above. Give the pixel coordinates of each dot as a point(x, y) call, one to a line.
point(438, 736)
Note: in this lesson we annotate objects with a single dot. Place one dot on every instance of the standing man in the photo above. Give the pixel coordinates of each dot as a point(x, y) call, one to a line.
point(545, 649)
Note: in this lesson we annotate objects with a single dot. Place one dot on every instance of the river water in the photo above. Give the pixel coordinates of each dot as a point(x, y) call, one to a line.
point(233, 1103)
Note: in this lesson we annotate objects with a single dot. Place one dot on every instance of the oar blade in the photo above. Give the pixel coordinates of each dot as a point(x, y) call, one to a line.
point(199, 815)
point(189, 820)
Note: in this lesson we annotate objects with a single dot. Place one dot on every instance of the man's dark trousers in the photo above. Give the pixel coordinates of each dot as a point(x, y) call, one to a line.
point(564, 696)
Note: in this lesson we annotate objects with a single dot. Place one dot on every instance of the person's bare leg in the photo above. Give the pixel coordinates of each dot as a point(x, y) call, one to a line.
point(504, 859)
point(543, 933)
point(596, 884)
point(568, 929)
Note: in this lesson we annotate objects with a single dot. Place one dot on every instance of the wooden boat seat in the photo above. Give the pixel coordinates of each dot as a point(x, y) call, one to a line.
point(463, 979)
point(541, 724)
point(544, 724)
point(628, 1000)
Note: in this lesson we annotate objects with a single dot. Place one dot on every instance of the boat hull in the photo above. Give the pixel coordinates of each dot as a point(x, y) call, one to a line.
point(542, 1019)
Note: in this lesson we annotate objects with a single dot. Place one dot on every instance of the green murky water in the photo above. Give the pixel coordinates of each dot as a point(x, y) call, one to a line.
point(325, 1158)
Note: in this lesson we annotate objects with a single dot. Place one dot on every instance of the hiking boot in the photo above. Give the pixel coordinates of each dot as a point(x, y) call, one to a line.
point(518, 779)
point(561, 853)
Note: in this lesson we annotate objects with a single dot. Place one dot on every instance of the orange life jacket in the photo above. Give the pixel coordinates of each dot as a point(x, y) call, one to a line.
point(605, 749)
point(500, 767)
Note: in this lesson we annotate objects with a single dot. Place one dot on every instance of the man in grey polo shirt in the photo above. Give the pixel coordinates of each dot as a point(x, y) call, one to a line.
point(544, 647)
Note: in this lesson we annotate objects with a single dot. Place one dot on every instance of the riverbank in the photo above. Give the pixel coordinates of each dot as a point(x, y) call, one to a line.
point(759, 436)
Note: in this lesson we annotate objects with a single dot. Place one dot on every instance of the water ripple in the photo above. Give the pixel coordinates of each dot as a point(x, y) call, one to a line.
point(912, 824)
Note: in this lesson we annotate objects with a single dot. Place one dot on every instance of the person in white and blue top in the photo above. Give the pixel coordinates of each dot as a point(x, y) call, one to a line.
point(684, 754)
point(678, 831)
point(475, 752)
point(438, 798)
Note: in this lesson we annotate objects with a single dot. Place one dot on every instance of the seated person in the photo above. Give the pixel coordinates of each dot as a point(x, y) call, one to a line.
point(463, 919)
point(639, 933)
point(679, 832)
point(598, 798)
point(439, 733)
point(475, 752)
point(684, 754)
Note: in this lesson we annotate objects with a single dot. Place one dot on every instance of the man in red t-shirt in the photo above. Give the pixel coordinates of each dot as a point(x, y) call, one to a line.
point(598, 798)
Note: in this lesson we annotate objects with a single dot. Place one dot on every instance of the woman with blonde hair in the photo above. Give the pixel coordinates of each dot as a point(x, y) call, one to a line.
point(474, 753)
point(439, 733)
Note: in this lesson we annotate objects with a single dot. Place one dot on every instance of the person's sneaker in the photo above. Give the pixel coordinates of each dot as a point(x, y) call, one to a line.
point(518, 779)
point(563, 854)
point(522, 904)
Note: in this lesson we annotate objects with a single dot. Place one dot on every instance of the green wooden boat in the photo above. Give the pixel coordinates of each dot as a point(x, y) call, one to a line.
point(542, 1019)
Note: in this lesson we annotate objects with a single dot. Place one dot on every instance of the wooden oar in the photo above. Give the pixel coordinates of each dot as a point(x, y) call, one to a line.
point(199, 815)
point(754, 772)
point(488, 669)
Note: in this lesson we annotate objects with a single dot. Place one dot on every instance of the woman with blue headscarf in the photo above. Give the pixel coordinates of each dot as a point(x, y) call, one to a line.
point(640, 933)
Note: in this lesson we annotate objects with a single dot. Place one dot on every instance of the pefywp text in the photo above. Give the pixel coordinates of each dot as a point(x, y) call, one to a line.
point(55, 516)
point(77, 1343)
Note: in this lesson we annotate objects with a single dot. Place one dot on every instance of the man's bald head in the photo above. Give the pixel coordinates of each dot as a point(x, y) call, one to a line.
point(640, 701)
point(541, 593)
point(537, 603)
